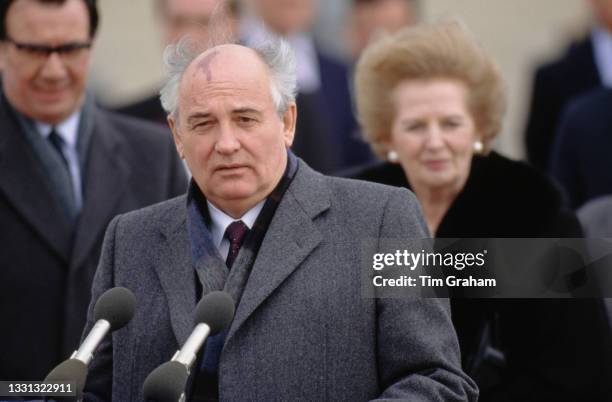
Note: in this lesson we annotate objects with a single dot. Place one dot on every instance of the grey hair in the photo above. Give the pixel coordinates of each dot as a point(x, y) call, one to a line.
point(275, 52)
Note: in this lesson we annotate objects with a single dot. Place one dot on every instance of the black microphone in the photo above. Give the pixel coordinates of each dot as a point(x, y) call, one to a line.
point(214, 312)
point(113, 310)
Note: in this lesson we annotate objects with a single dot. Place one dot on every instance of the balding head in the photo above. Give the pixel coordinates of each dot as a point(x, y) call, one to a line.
point(274, 53)
point(229, 130)
point(225, 64)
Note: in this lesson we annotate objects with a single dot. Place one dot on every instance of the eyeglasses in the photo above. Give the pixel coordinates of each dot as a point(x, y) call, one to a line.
point(68, 52)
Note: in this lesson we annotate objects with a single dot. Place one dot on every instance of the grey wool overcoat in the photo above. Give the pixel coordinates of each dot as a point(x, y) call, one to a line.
point(302, 329)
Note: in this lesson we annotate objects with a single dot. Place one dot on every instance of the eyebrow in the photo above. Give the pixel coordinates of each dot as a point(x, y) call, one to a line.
point(205, 115)
point(197, 116)
point(245, 110)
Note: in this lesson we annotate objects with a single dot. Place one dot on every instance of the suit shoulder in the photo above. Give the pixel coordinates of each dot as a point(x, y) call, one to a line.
point(154, 216)
point(357, 192)
point(330, 63)
point(594, 105)
point(577, 55)
point(137, 129)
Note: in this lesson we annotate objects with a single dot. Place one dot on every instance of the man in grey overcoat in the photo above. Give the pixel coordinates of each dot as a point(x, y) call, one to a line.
point(283, 240)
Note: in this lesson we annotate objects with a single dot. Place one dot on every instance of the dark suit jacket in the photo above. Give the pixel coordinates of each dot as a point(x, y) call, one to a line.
point(47, 263)
point(581, 159)
point(555, 84)
point(148, 108)
point(556, 350)
point(303, 329)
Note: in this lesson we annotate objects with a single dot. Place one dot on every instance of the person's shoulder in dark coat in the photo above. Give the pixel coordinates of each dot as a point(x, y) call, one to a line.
point(580, 159)
point(147, 108)
point(554, 84)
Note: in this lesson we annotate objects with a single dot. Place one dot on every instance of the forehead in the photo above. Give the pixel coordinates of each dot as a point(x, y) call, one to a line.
point(229, 71)
point(36, 21)
point(190, 8)
point(431, 93)
point(285, 4)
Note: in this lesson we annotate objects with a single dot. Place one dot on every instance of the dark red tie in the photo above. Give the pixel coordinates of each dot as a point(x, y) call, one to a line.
point(235, 232)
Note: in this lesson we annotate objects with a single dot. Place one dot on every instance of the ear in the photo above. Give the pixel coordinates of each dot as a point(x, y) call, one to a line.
point(178, 141)
point(3, 50)
point(289, 120)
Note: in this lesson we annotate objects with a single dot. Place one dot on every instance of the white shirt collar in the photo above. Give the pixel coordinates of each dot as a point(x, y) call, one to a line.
point(221, 220)
point(602, 50)
point(68, 129)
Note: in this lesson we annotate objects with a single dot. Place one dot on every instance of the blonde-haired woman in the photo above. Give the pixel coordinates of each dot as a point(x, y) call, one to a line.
point(430, 101)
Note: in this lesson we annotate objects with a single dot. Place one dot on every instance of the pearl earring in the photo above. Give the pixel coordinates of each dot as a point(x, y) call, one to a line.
point(392, 156)
point(478, 147)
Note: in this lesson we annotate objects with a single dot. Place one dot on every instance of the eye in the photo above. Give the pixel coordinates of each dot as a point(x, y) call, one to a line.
point(413, 127)
point(246, 121)
point(201, 125)
point(451, 124)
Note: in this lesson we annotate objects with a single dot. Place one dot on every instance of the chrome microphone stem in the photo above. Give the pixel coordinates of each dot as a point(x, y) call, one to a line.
point(187, 354)
point(89, 345)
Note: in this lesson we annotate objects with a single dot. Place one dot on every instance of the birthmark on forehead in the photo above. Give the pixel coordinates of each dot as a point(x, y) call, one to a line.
point(204, 64)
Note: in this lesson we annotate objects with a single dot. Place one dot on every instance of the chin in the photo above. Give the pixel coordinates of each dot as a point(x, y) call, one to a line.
point(440, 180)
point(235, 193)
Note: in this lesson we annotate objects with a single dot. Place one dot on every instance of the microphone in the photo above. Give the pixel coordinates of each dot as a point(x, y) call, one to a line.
point(113, 310)
point(214, 312)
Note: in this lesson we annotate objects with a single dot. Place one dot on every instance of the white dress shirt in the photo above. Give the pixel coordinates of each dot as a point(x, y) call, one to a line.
point(221, 220)
point(68, 130)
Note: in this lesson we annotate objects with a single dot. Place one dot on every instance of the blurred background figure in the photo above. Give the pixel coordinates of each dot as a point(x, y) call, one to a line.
point(326, 134)
point(596, 217)
point(68, 167)
point(581, 157)
point(430, 102)
point(585, 65)
point(177, 18)
point(367, 18)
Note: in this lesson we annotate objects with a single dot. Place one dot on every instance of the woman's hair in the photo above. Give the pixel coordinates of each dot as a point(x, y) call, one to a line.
point(443, 50)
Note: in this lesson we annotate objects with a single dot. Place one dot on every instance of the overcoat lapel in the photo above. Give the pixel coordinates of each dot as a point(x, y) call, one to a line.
point(290, 238)
point(176, 274)
point(105, 181)
point(24, 183)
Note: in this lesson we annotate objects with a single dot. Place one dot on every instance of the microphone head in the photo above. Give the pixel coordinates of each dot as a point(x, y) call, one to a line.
point(166, 383)
point(216, 309)
point(70, 370)
point(116, 306)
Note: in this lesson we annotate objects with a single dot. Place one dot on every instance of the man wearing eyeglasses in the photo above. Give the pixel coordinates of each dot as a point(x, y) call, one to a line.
point(66, 169)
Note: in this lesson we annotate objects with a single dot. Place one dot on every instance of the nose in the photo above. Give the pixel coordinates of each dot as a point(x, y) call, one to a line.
point(434, 137)
point(227, 143)
point(53, 68)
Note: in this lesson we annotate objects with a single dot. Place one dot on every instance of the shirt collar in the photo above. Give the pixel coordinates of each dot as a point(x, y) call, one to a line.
point(67, 129)
point(220, 220)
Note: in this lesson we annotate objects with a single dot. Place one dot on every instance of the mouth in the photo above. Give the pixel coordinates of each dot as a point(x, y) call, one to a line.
point(230, 168)
point(436, 164)
point(50, 94)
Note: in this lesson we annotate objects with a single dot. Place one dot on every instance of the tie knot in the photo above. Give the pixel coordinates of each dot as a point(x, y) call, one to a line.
point(235, 232)
point(55, 138)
